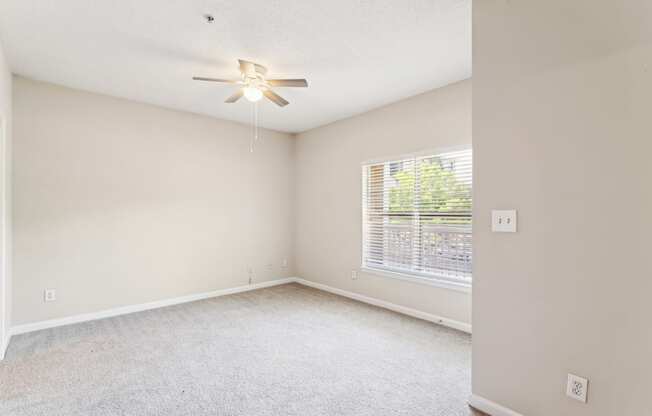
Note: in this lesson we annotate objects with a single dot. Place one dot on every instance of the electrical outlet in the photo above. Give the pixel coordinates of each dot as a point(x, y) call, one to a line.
point(49, 295)
point(577, 387)
point(250, 272)
point(354, 274)
point(503, 221)
point(284, 263)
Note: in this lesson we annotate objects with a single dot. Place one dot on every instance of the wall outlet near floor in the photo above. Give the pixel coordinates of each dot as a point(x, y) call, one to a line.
point(250, 272)
point(577, 387)
point(284, 263)
point(49, 295)
point(354, 274)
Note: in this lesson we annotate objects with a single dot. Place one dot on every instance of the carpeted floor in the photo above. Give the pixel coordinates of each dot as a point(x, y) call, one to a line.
point(285, 350)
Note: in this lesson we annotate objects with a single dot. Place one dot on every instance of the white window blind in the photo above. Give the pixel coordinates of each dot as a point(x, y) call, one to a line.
point(417, 216)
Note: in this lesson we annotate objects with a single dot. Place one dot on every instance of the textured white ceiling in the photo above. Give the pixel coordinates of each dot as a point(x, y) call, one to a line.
point(356, 55)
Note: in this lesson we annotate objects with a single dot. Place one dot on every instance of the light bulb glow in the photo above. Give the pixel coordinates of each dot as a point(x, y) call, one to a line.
point(252, 94)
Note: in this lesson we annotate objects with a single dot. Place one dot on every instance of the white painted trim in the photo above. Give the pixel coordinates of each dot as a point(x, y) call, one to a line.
point(415, 278)
point(4, 345)
point(51, 323)
point(489, 407)
point(5, 330)
point(123, 310)
point(391, 306)
point(418, 154)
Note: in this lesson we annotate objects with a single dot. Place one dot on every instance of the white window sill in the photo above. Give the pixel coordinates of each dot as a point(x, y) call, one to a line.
point(441, 283)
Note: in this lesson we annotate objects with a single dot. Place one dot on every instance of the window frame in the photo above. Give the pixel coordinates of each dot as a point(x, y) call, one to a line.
point(430, 279)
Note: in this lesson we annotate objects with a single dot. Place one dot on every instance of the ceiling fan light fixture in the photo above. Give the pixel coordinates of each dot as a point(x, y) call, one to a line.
point(254, 84)
point(252, 94)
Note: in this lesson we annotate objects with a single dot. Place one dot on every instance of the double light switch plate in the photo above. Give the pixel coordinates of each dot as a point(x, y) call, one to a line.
point(503, 221)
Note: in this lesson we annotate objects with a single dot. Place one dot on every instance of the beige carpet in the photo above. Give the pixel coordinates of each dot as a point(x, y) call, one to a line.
point(285, 350)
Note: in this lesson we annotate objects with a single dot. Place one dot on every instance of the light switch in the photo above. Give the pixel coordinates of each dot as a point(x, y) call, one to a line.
point(503, 221)
point(49, 295)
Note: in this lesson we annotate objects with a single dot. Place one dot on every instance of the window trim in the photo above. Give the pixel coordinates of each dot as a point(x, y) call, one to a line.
point(418, 154)
point(436, 280)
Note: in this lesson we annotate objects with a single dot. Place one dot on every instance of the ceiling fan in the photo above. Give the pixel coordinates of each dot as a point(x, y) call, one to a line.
point(255, 85)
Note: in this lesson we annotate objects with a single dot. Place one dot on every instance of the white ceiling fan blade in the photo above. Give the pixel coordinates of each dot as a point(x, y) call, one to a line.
point(228, 81)
point(275, 98)
point(235, 97)
point(287, 82)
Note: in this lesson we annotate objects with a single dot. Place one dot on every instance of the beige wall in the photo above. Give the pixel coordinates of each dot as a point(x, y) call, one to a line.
point(119, 203)
point(5, 200)
point(328, 192)
point(562, 98)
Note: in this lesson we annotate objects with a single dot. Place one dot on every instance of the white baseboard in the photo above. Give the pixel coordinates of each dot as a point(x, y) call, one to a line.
point(391, 306)
point(51, 323)
point(4, 344)
point(489, 407)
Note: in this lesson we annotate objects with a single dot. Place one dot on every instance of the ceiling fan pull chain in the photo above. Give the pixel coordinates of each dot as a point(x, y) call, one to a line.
point(256, 131)
point(253, 136)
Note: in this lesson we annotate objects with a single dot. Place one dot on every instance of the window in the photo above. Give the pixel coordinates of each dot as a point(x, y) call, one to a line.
point(417, 216)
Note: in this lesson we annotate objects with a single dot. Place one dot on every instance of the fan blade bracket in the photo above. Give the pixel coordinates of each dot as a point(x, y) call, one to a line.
point(260, 69)
point(247, 68)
